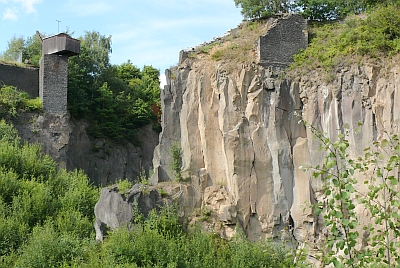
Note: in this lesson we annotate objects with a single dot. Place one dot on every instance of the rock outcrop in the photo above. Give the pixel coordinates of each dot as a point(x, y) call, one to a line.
point(116, 209)
point(243, 147)
point(67, 142)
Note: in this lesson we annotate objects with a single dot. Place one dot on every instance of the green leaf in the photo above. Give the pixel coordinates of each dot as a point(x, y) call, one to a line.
point(338, 214)
point(384, 143)
point(393, 180)
point(328, 192)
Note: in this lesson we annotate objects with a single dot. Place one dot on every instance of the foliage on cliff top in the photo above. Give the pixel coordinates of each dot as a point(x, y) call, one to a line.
point(375, 34)
point(318, 10)
point(12, 100)
point(115, 99)
point(31, 49)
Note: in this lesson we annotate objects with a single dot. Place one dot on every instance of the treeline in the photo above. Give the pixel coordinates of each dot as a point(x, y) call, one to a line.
point(115, 99)
point(318, 10)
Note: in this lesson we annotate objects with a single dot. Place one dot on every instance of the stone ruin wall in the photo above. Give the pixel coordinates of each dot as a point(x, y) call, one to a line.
point(285, 38)
point(24, 78)
point(54, 83)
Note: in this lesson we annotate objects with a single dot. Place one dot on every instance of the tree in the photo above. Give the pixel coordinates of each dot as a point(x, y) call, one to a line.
point(127, 72)
point(32, 50)
point(255, 9)
point(326, 10)
point(86, 72)
point(14, 47)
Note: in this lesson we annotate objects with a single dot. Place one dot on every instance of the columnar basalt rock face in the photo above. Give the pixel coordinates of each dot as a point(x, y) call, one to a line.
point(241, 136)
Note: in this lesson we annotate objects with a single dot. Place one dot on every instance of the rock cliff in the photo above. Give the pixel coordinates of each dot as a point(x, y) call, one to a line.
point(242, 145)
point(67, 142)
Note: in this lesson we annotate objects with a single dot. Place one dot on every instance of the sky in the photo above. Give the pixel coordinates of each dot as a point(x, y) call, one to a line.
point(147, 32)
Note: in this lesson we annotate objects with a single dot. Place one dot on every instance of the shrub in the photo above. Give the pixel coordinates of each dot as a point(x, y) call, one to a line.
point(339, 173)
point(12, 100)
point(176, 164)
point(375, 36)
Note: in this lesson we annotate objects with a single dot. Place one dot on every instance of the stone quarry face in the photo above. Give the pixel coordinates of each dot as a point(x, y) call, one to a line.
point(243, 147)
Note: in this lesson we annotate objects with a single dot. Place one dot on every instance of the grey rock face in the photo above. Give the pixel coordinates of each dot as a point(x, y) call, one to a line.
point(239, 131)
point(115, 209)
point(67, 143)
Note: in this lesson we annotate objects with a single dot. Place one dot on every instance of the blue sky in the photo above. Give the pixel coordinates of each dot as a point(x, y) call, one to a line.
point(150, 32)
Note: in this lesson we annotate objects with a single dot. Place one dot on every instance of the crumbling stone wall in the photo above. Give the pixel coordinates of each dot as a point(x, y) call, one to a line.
point(24, 78)
point(284, 39)
point(54, 83)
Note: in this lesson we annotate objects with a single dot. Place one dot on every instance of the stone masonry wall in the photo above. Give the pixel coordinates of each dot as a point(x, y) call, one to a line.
point(24, 78)
point(54, 83)
point(284, 39)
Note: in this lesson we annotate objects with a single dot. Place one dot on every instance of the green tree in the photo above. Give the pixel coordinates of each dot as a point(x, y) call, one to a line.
point(14, 47)
point(254, 9)
point(127, 72)
point(325, 10)
point(33, 50)
point(86, 72)
point(340, 175)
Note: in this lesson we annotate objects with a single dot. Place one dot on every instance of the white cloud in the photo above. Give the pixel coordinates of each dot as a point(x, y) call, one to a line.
point(28, 5)
point(10, 14)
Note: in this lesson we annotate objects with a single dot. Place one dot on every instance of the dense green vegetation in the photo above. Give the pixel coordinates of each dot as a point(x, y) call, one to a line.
point(115, 99)
point(160, 241)
point(31, 49)
point(45, 214)
point(375, 36)
point(13, 100)
point(318, 10)
point(46, 220)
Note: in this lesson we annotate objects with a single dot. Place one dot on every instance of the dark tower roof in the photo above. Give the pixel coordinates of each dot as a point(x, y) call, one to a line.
point(61, 44)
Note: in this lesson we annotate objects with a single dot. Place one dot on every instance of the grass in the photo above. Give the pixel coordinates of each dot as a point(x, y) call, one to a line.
point(235, 48)
point(375, 35)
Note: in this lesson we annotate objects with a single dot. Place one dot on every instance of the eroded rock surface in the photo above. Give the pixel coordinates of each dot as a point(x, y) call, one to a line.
point(67, 142)
point(243, 148)
point(115, 209)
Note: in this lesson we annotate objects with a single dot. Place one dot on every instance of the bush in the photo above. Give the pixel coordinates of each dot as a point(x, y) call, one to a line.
point(375, 36)
point(48, 248)
point(12, 100)
point(339, 173)
point(176, 164)
point(46, 216)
